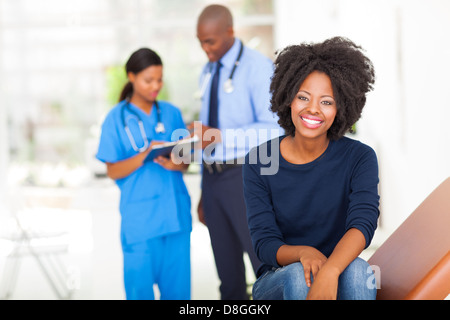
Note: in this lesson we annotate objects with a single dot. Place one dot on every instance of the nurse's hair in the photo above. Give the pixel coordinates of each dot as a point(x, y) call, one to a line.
point(351, 73)
point(138, 61)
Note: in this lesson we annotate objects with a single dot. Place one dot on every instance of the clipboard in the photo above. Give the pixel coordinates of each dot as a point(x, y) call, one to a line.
point(166, 148)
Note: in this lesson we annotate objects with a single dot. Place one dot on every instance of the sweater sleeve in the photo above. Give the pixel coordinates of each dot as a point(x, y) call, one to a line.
point(363, 210)
point(266, 236)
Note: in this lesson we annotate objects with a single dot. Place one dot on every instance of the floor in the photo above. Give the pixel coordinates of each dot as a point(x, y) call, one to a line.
point(89, 255)
point(88, 252)
point(92, 265)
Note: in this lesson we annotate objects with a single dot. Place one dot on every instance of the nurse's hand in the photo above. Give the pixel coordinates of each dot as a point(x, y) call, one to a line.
point(152, 144)
point(123, 168)
point(170, 165)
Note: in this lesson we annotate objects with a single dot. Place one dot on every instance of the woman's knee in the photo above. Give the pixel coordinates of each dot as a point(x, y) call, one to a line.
point(294, 283)
point(357, 266)
point(356, 282)
point(285, 283)
point(293, 270)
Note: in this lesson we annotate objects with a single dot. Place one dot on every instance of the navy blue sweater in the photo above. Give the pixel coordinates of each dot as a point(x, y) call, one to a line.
point(311, 204)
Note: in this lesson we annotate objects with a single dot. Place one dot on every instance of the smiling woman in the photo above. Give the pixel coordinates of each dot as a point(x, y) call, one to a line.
point(314, 105)
point(313, 111)
point(310, 220)
point(351, 74)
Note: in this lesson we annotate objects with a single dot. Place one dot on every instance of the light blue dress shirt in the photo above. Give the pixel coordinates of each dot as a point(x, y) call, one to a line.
point(245, 120)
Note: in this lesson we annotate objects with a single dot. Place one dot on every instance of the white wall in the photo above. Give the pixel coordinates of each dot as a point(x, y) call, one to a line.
point(4, 156)
point(406, 115)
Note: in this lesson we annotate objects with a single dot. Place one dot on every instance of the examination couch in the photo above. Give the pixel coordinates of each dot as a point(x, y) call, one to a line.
point(414, 262)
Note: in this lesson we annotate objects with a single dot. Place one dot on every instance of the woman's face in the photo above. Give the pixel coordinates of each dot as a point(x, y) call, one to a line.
point(313, 109)
point(147, 83)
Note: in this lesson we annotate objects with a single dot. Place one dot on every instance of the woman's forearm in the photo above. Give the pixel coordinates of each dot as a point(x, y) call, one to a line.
point(288, 254)
point(348, 249)
point(123, 168)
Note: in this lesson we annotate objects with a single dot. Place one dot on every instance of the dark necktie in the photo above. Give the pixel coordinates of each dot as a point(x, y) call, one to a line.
point(213, 99)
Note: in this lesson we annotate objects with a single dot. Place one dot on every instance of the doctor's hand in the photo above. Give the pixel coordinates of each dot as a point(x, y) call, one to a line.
point(206, 134)
point(201, 214)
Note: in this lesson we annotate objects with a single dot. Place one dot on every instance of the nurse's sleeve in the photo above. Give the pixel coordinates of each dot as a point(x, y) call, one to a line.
point(110, 147)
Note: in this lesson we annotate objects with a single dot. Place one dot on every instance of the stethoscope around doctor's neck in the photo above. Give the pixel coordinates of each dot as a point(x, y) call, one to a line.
point(228, 85)
point(158, 129)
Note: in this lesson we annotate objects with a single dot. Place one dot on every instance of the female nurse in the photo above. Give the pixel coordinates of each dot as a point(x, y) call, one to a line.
point(154, 202)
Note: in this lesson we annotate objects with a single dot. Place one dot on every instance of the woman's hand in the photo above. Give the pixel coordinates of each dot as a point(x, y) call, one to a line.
point(324, 286)
point(326, 281)
point(325, 272)
point(169, 164)
point(124, 168)
point(312, 261)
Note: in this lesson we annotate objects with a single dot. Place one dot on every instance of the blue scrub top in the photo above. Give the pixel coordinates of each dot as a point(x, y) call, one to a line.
point(154, 201)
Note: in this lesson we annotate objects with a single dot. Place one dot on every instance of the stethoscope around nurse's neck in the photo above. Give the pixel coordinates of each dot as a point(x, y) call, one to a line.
point(228, 85)
point(158, 129)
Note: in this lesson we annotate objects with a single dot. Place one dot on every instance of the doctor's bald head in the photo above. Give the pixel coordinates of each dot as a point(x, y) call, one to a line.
point(215, 31)
point(216, 14)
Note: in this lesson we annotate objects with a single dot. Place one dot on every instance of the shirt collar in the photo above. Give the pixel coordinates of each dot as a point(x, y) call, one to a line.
point(229, 58)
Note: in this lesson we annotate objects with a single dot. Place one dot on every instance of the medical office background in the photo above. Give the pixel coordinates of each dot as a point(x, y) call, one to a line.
point(61, 70)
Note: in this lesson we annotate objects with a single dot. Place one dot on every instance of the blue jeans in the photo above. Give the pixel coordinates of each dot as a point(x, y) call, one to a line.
point(288, 283)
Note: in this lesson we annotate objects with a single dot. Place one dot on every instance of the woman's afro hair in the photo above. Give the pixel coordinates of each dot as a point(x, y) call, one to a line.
point(351, 73)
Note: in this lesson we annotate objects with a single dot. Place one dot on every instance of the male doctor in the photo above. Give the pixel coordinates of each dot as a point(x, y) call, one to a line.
point(235, 116)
